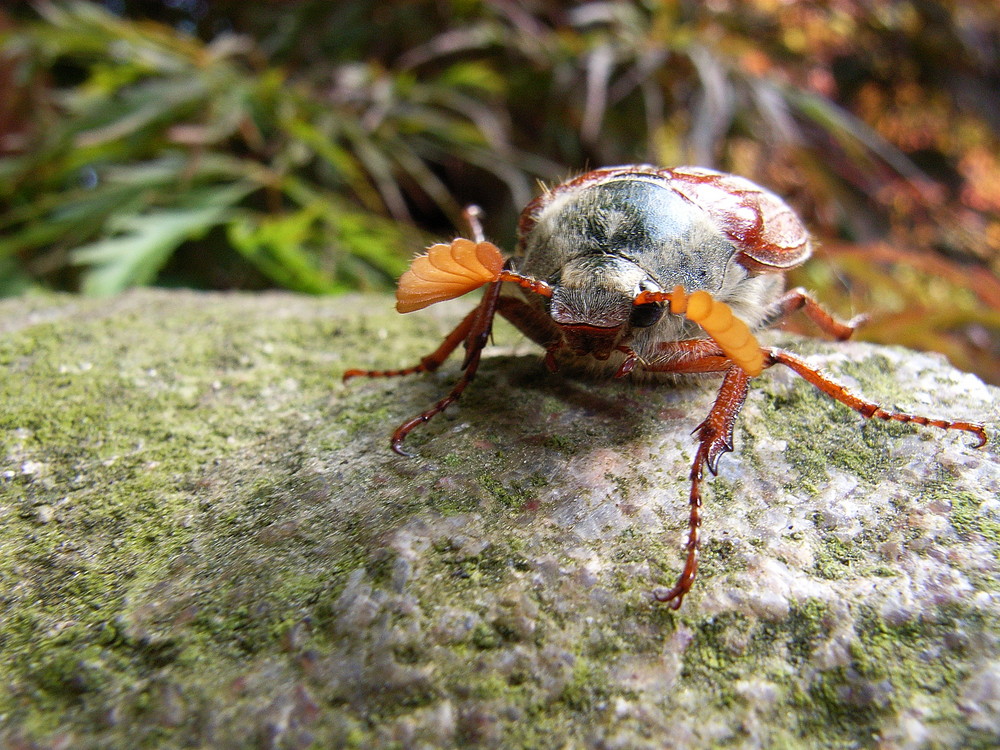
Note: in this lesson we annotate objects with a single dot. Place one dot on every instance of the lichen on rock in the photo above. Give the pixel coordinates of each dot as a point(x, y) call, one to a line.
point(207, 542)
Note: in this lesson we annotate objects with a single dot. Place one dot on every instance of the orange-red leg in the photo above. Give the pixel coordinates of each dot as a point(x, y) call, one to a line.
point(429, 363)
point(474, 331)
point(688, 356)
point(867, 409)
point(799, 299)
point(461, 332)
point(478, 335)
point(715, 434)
point(715, 437)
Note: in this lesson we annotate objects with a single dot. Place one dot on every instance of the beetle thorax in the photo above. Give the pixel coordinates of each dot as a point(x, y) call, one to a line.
point(639, 220)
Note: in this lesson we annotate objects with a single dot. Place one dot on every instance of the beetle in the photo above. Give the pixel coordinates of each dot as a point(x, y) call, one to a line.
point(644, 271)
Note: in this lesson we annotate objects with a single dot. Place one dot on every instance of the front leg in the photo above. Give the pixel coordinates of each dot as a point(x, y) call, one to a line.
point(715, 437)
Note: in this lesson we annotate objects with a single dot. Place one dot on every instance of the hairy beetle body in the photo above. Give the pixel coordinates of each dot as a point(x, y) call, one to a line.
point(645, 272)
point(599, 242)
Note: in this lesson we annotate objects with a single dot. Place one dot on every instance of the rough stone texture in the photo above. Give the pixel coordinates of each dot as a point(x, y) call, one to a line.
point(205, 539)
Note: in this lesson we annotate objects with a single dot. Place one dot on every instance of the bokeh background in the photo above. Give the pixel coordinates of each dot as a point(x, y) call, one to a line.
point(315, 146)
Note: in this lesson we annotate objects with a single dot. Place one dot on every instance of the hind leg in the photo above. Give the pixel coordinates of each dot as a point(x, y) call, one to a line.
point(799, 299)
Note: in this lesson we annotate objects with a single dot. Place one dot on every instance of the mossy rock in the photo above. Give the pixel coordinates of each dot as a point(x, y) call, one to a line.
point(207, 543)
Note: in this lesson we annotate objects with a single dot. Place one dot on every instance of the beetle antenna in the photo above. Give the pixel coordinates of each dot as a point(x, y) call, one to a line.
point(446, 272)
point(717, 320)
point(531, 284)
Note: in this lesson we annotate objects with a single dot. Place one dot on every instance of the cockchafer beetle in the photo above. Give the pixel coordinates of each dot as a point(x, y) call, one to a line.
point(645, 271)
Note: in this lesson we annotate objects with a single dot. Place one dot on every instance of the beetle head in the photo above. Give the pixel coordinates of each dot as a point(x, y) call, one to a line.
point(593, 303)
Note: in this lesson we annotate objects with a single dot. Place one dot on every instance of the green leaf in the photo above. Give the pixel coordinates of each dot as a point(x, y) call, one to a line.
point(149, 240)
point(138, 108)
point(14, 281)
point(64, 218)
point(277, 246)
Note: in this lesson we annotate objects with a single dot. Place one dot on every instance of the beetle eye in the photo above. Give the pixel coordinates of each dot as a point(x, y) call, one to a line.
point(645, 315)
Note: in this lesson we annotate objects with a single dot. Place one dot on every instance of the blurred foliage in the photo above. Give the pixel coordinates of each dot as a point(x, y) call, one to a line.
point(299, 143)
point(137, 143)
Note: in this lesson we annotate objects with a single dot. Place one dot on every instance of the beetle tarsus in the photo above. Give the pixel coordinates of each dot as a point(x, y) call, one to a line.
point(397, 448)
point(859, 320)
point(864, 407)
point(715, 437)
point(675, 596)
point(422, 367)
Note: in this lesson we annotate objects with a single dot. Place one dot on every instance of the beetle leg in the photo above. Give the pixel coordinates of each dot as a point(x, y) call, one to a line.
point(477, 326)
point(688, 356)
point(799, 299)
point(629, 363)
point(715, 437)
point(551, 363)
point(534, 324)
point(429, 363)
point(867, 409)
point(473, 215)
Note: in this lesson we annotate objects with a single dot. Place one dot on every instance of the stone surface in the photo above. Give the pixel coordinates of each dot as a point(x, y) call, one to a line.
point(207, 543)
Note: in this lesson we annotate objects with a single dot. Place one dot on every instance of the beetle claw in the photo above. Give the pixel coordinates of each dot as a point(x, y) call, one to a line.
point(629, 364)
point(550, 361)
point(398, 449)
